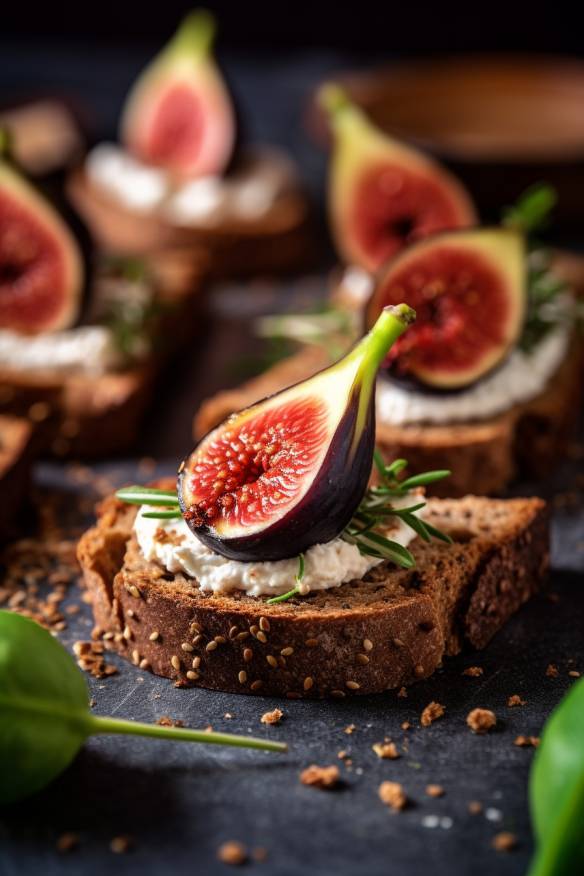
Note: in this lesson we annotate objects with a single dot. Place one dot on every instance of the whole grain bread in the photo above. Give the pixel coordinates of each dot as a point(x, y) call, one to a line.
point(483, 455)
point(387, 630)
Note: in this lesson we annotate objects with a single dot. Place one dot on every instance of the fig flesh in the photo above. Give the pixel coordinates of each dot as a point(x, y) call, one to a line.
point(41, 265)
point(469, 292)
point(179, 114)
point(384, 195)
point(289, 472)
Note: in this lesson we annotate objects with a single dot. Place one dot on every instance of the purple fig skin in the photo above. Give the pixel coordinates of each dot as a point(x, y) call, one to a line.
point(325, 510)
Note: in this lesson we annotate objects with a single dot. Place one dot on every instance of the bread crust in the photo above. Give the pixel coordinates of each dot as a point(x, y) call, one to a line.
point(364, 637)
point(484, 456)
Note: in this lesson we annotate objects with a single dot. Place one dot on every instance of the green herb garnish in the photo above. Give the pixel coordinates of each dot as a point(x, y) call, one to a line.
point(152, 496)
point(284, 597)
point(556, 790)
point(45, 716)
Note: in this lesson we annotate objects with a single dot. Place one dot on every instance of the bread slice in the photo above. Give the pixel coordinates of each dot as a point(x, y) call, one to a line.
point(483, 455)
point(17, 450)
point(387, 630)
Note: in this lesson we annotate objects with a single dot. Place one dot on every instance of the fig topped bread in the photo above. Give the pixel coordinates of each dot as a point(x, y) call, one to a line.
point(366, 636)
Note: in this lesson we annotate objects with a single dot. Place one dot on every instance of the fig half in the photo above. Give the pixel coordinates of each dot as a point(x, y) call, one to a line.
point(384, 195)
point(179, 114)
point(469, 292)
point(41, 265)
point(289, 472)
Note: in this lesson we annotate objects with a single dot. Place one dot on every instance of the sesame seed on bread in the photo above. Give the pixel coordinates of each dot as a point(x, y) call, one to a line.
point(367, 636)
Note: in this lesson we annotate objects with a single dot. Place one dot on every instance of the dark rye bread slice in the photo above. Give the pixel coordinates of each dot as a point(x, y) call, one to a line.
point(484, 456)
point(388, 630)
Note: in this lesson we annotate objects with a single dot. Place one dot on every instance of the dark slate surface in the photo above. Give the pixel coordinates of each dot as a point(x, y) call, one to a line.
point(180, 802)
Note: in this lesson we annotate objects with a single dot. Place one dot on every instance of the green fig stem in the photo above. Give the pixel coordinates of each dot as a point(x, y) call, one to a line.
point(372, 350)
point(337, 104)
point(195, 35)
point(134, 728)
point(5, 144)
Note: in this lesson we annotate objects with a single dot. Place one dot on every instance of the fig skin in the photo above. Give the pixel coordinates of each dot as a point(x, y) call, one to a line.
point(337, 477)
point(492, 258)
point(373, 218)
point(185, 71)
point(61, 278)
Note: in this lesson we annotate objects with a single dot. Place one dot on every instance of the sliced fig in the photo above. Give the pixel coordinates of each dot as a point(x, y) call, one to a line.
point(384, 195)
point(41, 266)
point(289, 472)
point(469, 292)
point(179, 113)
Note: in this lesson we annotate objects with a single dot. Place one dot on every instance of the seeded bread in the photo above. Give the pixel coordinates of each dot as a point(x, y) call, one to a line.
point(391, 628)
point(17, 446)
point(483, 455)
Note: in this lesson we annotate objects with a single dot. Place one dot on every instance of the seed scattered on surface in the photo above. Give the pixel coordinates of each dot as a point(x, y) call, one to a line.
point(107, 637)
point(526, 741)
point(242, 677)
point(175, 661)
point(516, 700)
point(308, 682)
point(272, 661)
point(186, 646)
point(287, 652)
point(264, 624)
point(363, 659)
point(352, 685)
point(367, 645)
point(247, 654)
point(255, 685)
point(399, 643)
point(261, 637)
point(154, 636)
point(192, 675)
point(211, 646)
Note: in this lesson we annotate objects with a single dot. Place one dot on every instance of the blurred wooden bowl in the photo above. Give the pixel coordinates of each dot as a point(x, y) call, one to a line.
point(499, 122)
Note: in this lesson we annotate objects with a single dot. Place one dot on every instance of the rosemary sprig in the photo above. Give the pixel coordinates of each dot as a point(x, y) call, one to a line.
point(284, 597)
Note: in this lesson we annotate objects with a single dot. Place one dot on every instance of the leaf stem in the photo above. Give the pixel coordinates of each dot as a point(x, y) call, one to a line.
point(184, 734)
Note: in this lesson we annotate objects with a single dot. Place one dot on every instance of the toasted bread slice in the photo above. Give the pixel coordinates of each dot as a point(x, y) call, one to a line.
point(17, 445)
point(483, 455)
point(367, 636)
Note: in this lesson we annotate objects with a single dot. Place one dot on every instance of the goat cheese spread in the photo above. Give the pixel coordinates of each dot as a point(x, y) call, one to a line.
point(247, 194)
point(84, 350)
point(172, 544)
point(520, 378)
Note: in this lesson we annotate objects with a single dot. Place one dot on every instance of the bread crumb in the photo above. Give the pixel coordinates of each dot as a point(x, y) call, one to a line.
point(515, 700)
point(481, 720)
point(321, 777)
point(120, 845)
point(273, 717)
point(431, 713)
point(402, 692)
point(473, 671)
point(406, 725)
point(475, 807)
point(393, 795)
point(67, 842)
point(386, 750)
point(434, 790)
point(350, 728)
point(526, 741)
point(573, 673)
point(233, 853)
point(167, 721)
point(504, 841)
point(552, 671)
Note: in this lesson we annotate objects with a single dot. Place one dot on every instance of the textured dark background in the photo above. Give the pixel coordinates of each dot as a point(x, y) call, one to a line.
point(180, 802)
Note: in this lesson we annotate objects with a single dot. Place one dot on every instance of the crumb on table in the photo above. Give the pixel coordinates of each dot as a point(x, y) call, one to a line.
point(232, 852)
point(434, 790)
point(515, 700)
point(393, 795)
point(481, 720)
point(431, 713)
point(326, 777)
point(273, 717)
point(386, 750)
point(504, 841)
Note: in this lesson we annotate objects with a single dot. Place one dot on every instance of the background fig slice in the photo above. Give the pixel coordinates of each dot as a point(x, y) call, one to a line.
point(469, 292)
point(41, 264)
point(384, 195)
point(179, 114)
point(289, 472)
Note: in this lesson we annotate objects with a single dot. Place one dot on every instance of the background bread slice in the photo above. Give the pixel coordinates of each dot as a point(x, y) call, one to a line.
point(363, 637)
point(483, 455)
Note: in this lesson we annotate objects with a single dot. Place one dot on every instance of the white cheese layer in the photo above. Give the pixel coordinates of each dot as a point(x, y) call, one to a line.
point(522, 377)
point(84, 350)
point(172, 544)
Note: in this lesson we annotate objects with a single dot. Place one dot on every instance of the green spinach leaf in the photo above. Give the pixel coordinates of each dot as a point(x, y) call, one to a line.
point(45, 716)
point(556, 790)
